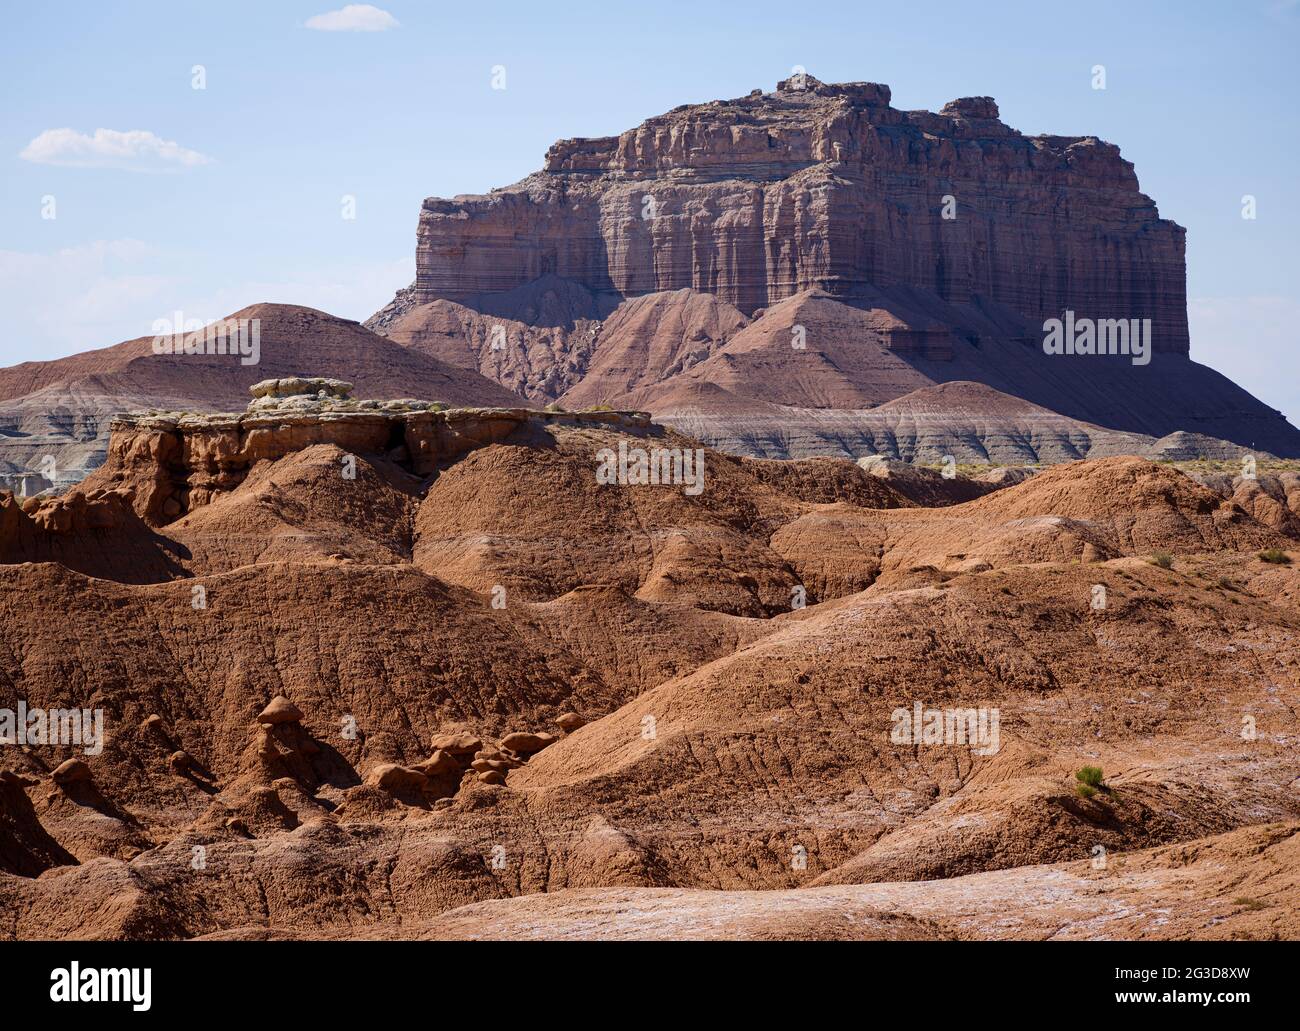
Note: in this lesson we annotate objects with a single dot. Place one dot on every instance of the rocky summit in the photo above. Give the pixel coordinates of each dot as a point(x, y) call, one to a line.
point(817, 185)
point(818, 250)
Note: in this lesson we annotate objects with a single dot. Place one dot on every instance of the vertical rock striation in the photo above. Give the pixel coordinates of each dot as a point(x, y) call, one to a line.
point(825, 186)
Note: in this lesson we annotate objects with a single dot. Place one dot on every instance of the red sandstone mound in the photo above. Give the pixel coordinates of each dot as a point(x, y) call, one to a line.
point(477, 670)
point(814, 351)
point(302, 506)
point(538, 359)
point(95, 531)
point(660, 544)
point(1212, 890)
point(294, 341)
point(648, 339)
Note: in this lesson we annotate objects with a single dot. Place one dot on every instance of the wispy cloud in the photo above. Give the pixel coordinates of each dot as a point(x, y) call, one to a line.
point(95, 294)
point(353, 18)
point(73, 299)
point(137, 150)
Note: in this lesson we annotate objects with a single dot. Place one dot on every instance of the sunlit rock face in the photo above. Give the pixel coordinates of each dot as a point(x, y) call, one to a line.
point(828, 186)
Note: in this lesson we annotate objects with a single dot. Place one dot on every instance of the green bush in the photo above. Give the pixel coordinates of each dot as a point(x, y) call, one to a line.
point(1090, 775)
point(1162, 559)
point(1275, 555)
point(1085, 790)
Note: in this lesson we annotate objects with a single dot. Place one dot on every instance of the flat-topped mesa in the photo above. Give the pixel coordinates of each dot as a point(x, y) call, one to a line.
point(170, 463)
point(824, 185)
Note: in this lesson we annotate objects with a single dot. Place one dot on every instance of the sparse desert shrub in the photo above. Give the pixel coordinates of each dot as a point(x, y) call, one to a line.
point(1162, 559)
point(602, 407)
point(1274, 555)
point(1090, 775)
point(1249, 904)
point(1226, 584)
point(1085, 790)
point(553, 407)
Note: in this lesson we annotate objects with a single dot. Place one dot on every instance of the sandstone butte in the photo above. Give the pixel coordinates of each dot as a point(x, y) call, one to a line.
point(669, 269)
point(398, 670)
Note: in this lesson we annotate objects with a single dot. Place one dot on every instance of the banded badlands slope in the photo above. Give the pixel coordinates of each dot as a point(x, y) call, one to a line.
point(765, 271)
point(62, 409)
point(391, 671)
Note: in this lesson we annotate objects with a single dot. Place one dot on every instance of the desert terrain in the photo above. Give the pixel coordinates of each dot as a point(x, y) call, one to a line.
point(415, 673)
point(706, 544)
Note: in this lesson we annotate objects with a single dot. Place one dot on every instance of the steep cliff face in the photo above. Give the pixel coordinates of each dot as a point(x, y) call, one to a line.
point(170, 464)
point(825, 186)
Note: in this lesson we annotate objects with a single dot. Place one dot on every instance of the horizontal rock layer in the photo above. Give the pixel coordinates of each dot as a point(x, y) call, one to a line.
point(175, 464)
point(759, 198)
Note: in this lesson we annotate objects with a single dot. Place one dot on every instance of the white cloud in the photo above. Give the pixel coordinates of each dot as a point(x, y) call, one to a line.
point(137, 150)
point(353, 18)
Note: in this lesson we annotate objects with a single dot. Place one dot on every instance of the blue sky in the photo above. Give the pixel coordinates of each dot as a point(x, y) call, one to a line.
point(1202, 97)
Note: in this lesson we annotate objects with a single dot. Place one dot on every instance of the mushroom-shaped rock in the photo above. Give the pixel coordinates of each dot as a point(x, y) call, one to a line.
point(439, 763)
point(280, 710)
point(392, 777)
point(180, 761)
point(499, 758)
point(71, 771)
point(457, 744)
point(527, 744)
point(297, 386)
point(492, 777)
point(570, 722)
